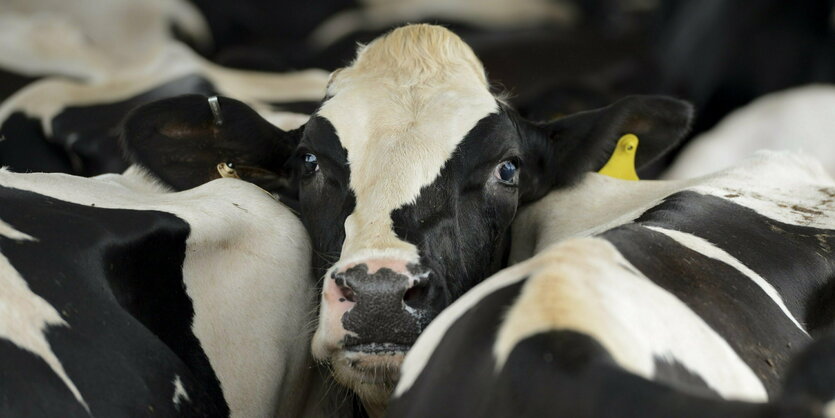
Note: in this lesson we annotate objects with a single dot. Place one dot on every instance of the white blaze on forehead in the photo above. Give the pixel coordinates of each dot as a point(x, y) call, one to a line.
point(400, 110)
point(25, 316)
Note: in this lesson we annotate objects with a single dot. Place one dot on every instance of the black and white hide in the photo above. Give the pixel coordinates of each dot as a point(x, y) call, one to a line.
point(648, 299)
point(122, 299)
point(60, 125)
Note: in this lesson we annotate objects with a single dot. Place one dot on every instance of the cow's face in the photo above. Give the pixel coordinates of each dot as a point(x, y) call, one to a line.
point(407, 179)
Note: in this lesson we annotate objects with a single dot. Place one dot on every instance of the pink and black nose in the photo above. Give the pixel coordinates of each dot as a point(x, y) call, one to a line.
point(391, 304)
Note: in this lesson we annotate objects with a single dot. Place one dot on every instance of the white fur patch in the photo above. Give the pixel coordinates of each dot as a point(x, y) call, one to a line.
point(246, 269)
point(789, 187)
point(180, 393)
point(829, 410)
point(707, 249)
point(89, 39)
point(793, 119)
point(25, 316)
point(400, 110)
point(785, 186)
point(8, 231)
point(583, 287)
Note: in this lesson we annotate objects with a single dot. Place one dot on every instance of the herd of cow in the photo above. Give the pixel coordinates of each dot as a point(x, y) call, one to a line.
point(192, 226)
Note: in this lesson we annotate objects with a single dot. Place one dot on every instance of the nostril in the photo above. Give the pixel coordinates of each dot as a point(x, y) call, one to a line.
point(415, 295)
point(347, 294)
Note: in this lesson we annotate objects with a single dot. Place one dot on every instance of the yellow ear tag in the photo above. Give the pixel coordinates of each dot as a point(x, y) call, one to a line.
point(621, 164)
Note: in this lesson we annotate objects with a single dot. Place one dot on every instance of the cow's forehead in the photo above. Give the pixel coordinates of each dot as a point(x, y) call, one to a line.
point(400, 110)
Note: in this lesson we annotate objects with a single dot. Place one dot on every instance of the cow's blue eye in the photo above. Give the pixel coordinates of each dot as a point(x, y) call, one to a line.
point(311, 164)
point(507, 172)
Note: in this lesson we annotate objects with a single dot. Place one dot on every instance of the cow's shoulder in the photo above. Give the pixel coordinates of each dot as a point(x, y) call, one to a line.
point(574, 324)
point(142, 279)
point(788, 187)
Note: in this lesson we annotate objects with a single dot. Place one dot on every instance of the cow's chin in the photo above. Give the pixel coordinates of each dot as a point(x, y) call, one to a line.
point(371, 371)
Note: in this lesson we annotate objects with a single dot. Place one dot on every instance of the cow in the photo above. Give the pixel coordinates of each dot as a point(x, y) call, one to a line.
point(121, 298)
point(652, 299)
point(798, 118)
point(60, 125)
point(407, 179)
point(89, 40)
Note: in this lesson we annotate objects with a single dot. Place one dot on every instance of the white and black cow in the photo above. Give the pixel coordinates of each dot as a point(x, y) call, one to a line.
point(61, 125)
point(90, 40)
point(793, 119)
point(120, 298)
point(684, 299)
point(407, 177)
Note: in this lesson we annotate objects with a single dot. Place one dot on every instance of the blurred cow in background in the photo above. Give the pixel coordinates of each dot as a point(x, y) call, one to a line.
point(554, 57)
point(794, 119)
point(101, 62)
point(61, 125)
point(89, 40)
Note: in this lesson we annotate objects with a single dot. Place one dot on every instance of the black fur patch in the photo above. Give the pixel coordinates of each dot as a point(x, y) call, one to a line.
point(798, 261)
point(551, 374)
point(115, 276)
point(734, 306)
point(679, 376)
point(25, 148)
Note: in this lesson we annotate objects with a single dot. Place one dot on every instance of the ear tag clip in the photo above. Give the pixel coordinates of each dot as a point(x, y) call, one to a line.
point(214, 106)
point(227, 170)
point(621, 164)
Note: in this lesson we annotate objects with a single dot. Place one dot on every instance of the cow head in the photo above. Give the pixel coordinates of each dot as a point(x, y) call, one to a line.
point(407, 179)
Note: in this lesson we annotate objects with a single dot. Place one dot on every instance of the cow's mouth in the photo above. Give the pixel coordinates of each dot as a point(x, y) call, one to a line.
point(370, 364)
point(390, 349)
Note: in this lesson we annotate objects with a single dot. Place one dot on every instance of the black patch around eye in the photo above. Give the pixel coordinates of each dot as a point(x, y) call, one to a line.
point(321, 141)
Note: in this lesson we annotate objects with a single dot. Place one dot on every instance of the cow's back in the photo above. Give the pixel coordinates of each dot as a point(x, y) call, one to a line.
point(152, 303)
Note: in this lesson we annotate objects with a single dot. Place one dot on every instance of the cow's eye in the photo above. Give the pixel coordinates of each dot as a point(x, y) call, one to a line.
point(507, 172)
point(311, 164)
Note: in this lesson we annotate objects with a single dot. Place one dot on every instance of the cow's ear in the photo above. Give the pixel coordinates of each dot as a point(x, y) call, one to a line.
point(560, 152)
point(185, 142)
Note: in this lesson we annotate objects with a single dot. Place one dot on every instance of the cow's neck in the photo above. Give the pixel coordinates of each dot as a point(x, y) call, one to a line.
point(594, 205)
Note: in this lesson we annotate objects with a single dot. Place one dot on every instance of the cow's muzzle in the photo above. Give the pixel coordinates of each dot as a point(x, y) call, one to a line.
point(389, 308)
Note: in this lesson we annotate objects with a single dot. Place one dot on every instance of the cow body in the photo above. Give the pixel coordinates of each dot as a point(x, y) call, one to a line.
point(91, 41)
point(794, 119)
point(70, 126)
point(678, 294)
point(150, 302)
